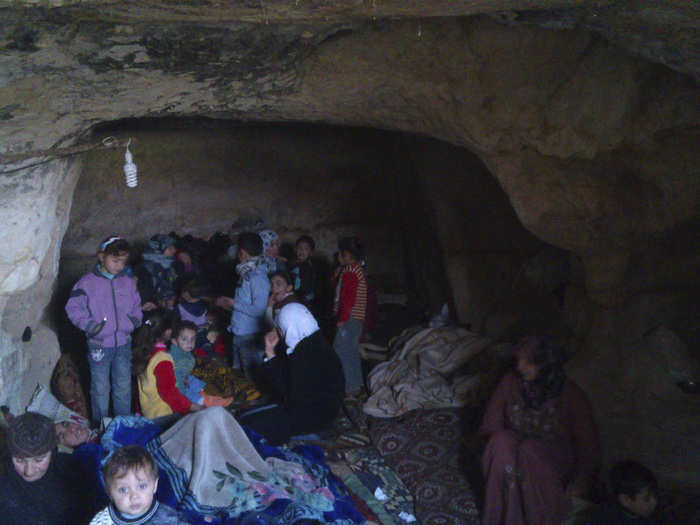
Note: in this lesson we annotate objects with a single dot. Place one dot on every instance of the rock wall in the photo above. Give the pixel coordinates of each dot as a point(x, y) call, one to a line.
point(200, 177)
point(35, 219)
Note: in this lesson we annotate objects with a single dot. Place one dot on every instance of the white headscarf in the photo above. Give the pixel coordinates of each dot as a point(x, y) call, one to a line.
point(296, 323)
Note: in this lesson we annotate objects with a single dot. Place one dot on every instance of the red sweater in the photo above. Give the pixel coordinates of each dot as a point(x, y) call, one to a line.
point(351, 295)
point(166, 384)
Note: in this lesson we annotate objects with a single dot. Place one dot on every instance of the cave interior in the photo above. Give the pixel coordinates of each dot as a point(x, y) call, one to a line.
point(535, 169)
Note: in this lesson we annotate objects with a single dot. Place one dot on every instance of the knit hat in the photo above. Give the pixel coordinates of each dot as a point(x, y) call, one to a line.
point(31, 435)
point(160, 242)
point(268, 237)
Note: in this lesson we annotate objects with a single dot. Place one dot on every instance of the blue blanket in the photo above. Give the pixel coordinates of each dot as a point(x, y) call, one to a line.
point(134, 430)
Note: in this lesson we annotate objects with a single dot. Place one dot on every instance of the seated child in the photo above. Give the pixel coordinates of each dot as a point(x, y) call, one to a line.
point(155, 368)
point(131, 479)
point(210, 344)
point(182, 345)
point(303, 273)
point(191, 306)
point(634, 488)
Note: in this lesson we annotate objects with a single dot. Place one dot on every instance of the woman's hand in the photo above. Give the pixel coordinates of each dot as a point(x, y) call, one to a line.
point(271, 340)
point(148, 306)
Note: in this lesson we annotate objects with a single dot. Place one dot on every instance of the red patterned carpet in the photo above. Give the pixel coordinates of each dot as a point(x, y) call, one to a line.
point(424, 448)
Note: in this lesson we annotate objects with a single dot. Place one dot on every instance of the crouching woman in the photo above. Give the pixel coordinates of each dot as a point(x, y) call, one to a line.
point(307, 378)
point(543, 446)
point(40, 485)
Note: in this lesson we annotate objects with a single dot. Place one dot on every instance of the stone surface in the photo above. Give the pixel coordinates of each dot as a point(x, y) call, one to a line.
point(200, 177)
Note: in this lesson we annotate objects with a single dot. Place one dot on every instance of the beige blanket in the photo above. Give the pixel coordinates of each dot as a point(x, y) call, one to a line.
point(421, 374)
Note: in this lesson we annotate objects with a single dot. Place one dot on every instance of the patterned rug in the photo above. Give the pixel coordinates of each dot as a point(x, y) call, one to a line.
point(425, 450)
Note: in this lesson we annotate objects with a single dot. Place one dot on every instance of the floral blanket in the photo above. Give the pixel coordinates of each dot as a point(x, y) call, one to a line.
point(215, 472)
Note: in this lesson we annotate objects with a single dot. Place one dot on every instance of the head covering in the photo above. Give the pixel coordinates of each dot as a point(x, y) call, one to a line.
point(296, 323)
point(31, 435)
point(160, 242)
point(549, 358)
point(109, 241)
point(268, 238)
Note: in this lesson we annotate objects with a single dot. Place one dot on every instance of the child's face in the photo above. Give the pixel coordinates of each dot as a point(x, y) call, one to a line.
point(32, 469)
point(186, 339)
point(212, 335)
point(113, 263)
point(643, 503)
point(133, 492)
point(71, 434)
point(273, 250)
point(170, 251)
point(279, 288)
point(303, 251)
point(168, 303)
point(344, 257)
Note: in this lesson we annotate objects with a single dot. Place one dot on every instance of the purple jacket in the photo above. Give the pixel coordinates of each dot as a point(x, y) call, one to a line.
point(106, 310)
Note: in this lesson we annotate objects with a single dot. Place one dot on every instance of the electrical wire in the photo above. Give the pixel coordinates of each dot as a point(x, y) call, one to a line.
point(53, 154)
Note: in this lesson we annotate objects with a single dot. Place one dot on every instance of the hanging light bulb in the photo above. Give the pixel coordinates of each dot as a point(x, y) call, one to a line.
point(130, 170)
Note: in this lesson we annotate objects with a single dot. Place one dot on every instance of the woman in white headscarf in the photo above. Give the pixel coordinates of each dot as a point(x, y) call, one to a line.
point(306, 374)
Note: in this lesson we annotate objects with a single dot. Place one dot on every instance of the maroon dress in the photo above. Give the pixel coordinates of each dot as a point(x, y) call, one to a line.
point(532, 454)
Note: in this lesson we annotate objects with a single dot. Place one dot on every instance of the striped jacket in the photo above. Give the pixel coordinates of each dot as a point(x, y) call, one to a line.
point(351, 294)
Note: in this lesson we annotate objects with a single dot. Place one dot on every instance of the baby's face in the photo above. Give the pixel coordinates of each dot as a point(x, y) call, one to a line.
point(133, 492)
point(71, 434)
point(186, 340)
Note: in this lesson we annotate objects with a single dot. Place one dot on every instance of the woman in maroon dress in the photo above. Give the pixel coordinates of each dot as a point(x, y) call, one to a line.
point(543, 444)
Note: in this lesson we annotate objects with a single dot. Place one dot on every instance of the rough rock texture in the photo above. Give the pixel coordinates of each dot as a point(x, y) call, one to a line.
point(34, 222)
point(594, 145)
point(199, 177)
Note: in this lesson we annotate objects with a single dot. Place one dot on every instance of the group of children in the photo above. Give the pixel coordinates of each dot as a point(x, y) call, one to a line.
point(166, 305)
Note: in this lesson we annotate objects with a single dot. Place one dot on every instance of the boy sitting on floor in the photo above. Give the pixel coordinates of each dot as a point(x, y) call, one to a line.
point(131, 480)
point(634, 487)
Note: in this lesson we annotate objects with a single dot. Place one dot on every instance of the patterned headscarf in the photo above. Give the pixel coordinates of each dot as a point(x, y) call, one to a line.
point(31, 435)
point(160, 242)
point(549, 359)
point(268, 238)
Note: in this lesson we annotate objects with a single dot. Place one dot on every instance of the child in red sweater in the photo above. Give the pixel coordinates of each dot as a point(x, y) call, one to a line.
point(349, 308)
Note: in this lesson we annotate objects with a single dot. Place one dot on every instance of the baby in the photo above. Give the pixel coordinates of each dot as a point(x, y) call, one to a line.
point(131, 480)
